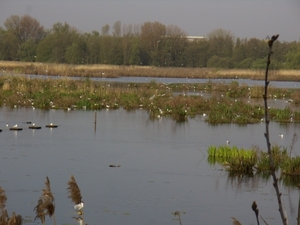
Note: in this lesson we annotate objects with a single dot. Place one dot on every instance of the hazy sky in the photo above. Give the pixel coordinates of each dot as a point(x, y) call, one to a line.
point(244, 18)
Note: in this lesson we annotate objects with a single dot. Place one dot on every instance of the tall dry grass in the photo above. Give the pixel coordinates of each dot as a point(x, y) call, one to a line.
point(15, 219)
point(112, 71)
point(45, 205)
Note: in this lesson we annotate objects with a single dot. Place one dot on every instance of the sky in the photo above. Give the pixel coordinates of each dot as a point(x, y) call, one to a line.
point(243, 18)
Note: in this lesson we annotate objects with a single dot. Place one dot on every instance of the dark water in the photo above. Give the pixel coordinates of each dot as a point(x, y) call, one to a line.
point(163, 169)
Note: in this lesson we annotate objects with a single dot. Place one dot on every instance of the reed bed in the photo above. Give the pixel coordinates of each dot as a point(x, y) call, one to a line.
point(156, 98)
point(101, 70)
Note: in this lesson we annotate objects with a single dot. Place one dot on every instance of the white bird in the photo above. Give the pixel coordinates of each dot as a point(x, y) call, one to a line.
point(79, 206)
point(7, 125)
point(281, 135)
point(33, 124)
point(228, 142)
point(15, 125)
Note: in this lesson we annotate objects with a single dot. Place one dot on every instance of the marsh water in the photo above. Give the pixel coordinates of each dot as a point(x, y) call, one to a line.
point(163, 168)
point(249, 82)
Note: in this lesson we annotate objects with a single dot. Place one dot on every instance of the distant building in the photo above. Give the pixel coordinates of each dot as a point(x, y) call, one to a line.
point(195, 38)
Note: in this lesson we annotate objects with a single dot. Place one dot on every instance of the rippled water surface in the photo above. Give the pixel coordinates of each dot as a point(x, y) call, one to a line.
point(163, 168)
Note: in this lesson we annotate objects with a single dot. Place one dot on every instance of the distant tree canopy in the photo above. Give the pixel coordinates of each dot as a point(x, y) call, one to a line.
point(151, 43)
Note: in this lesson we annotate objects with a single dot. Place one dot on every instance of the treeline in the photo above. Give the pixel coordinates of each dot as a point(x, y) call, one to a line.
point(151, 43)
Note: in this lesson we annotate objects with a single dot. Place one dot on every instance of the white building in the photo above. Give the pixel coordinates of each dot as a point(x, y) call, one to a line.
point(195, 38)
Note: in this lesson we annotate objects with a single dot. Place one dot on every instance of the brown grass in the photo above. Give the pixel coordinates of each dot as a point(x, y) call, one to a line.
point(101, 70)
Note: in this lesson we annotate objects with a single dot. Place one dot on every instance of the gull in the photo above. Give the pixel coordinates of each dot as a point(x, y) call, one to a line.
point(281, 135)
point(15, 125)
point(79, 206)
point(228, 142)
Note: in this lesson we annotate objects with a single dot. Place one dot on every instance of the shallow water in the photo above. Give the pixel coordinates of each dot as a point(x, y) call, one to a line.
point(277, 84)
point(163, 168)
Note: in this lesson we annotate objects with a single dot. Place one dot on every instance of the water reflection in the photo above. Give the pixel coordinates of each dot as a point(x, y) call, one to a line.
point(162, 168)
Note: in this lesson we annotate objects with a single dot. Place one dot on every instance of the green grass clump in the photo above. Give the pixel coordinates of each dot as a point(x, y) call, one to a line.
point(226, 152)
point(246, 161)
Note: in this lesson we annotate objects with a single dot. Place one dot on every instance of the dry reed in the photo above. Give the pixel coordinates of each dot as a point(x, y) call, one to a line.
point(45, 205)
point(100, 70)
point(15, 219)
point(74, 191)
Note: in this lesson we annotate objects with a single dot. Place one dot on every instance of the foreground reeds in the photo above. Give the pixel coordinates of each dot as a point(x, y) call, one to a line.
point(75, 195)
point(100, 70)
point(4, 218)
point(45, 205)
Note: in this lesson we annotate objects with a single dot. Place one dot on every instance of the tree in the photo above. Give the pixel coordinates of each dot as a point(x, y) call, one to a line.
point(105, 50)
point(238, 53)
point(27, 51)
point(196, 53)
point(92, 47)
point(73, 54)
point(171, 52)
point(219, 62)
point(117, 29)
point(105, 30)
point(255, 48)
point(293, 58)
point(25, 28)
point(220, 43)
point(151, 36)
point(8, 45)
point(131, 30)
point(53, 47)
point(22, 32)
point(134, 58)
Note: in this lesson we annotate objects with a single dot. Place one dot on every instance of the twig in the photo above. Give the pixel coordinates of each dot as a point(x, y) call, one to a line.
point(255, 209)
point(294, 140)
point(267, 121)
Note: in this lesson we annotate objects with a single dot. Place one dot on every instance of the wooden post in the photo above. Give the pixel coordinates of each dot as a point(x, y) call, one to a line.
point(95, 120)
point(95, 117)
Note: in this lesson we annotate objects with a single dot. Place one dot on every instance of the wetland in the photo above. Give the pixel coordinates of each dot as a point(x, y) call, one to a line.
point(159, 137)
